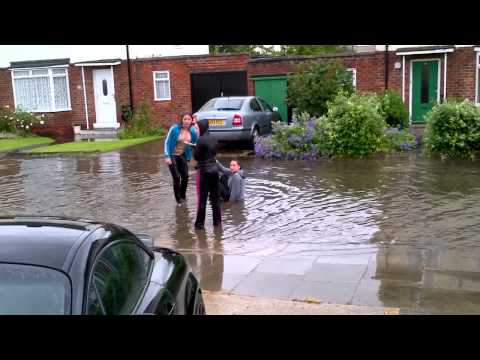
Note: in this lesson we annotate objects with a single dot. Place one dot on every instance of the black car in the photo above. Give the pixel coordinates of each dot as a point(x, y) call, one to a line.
point(55, 265)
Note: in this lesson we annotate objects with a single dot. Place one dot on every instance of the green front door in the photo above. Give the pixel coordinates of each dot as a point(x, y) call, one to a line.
point(274, 90)
point(424, 88)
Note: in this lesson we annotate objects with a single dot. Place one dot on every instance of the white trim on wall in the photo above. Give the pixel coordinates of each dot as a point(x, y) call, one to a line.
point(403, 79)
point(354, 77)
point(424, 52)
point(411, 80)
point(85, 98)
point(445, 77)
point(477, 81)
point(155, 85)
point(99, 64)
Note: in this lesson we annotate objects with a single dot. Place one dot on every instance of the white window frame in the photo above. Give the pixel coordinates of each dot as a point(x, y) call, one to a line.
point(477, 82)
point(52, 90)
point(354, 77)
point(155, 97)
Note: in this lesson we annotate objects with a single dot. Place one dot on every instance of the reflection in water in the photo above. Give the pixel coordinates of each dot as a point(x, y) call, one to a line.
point(418, 215)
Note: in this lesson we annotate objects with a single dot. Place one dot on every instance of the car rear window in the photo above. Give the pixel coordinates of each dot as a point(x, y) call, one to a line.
point(223, 105)
point(33, 290)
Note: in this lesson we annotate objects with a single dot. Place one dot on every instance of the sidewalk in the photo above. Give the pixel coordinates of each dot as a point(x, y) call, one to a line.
point(220, 303)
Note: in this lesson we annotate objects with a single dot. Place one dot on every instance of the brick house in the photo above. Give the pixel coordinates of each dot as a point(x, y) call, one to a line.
point(91, 94)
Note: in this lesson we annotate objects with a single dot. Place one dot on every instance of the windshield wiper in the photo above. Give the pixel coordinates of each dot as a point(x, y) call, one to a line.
point(226, 109)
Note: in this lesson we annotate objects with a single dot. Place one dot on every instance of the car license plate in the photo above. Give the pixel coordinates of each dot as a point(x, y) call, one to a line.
point(216, 122)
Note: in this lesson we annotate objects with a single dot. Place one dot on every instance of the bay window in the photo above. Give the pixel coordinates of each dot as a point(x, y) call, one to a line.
point(41, 89)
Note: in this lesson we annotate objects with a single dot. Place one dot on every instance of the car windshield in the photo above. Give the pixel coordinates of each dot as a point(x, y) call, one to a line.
point(222, 104)
point(33, 290)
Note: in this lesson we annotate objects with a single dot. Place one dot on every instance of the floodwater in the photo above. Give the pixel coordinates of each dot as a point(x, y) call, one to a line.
point(400, 231)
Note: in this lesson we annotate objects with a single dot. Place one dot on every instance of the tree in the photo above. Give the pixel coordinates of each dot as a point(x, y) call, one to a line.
point(315, 84)
point(311, 49)
point(270, 50)
point(251, 49)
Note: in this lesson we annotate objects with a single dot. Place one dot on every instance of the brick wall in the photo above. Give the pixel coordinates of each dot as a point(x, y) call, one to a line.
point(166, 112)
point(461, 75)
point(6, 92)
point(461, 67)
point(370, 77)
point(370, 68)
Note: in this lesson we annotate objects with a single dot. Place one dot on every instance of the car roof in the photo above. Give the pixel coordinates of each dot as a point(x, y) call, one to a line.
point(235, 97)
point(42, 241)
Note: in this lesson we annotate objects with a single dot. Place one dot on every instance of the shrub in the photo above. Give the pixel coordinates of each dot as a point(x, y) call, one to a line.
point(400, 140)
point(300, 140)
point(127, 113)
point(453, 129)
point(18, 122)
point(316, 83)
point(354, 125)
point(140, 125)
point(394, 110)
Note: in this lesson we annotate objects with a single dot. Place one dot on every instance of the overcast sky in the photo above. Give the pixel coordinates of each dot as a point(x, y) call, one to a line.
point(76, 53)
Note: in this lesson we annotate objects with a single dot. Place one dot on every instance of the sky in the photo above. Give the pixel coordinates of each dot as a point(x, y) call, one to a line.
point(77, 53)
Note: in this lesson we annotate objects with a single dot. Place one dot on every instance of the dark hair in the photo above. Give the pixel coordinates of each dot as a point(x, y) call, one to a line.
point(238, 163)
point(180, 122)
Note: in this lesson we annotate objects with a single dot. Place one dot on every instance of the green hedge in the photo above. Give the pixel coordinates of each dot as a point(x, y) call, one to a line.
point(453, 129)
point(394, 110)
point(354, 125)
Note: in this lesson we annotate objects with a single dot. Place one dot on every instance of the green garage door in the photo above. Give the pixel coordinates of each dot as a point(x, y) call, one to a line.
point(274, 90)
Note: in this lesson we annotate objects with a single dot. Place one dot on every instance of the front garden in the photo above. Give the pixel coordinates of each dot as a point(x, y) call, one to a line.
point(331, 120)
point(138, 129)
point(91, 146)
point(16, 133)
point(16, 130)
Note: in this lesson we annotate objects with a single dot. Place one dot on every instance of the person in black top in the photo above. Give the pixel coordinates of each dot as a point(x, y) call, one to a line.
point(205, 153)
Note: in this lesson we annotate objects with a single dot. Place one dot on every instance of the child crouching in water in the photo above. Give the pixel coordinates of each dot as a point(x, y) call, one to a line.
point(232, 181)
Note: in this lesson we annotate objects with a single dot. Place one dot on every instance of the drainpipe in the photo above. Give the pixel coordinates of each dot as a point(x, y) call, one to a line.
point(129, 79)
point(386, 67)
point(85, 97)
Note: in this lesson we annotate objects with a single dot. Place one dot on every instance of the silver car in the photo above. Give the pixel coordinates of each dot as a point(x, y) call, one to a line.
point(238, 118)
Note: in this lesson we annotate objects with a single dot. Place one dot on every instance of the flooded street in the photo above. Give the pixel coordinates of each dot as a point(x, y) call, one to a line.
point(401, 231)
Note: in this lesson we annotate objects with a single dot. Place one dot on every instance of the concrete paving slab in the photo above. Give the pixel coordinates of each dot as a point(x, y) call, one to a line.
point(285, 266)
point(336, 273)
point(268, 285)
point(336, 293)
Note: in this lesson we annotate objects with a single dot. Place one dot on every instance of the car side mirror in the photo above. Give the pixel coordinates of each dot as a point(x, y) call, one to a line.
point(146, 239)
point(275, 108)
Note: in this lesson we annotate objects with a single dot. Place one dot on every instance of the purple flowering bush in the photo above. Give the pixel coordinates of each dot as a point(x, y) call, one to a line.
point(353, 126)
point(300, 140)
point(400, 140)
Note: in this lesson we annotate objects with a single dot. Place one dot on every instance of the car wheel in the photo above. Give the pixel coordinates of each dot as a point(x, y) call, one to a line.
point(255, 135)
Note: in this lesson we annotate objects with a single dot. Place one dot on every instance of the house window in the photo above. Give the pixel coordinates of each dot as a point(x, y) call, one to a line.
point(41, 90)
point(161, 85)
point(353, 71)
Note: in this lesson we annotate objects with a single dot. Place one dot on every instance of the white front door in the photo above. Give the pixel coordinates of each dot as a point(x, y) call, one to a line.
point(105, 105)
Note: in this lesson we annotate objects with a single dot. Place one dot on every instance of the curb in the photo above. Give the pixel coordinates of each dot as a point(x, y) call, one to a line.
point(220, 303)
